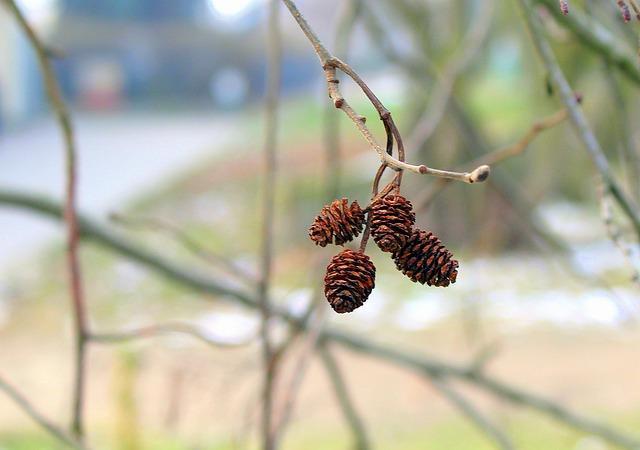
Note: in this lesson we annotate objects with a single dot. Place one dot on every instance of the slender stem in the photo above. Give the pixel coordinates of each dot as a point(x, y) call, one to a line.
point(344, 399)
point(593, 35)
point(497, 156)
point(161, 330)
point(578, 119)
point(61, 111)
point(274, 49)
point(615, 234)
point(424, 365)
point(476, 416)
point(636, 8)
point(299, 371)
point(348, 17)
point(330, 65)
point(477, 175)
point(466, 53)
point(189, 243)
point(37, 417)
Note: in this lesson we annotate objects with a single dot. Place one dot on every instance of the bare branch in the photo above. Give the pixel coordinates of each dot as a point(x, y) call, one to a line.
point(37, 417)
point(61, 112)
point(344, 399)
point(274, 51)
point(299, 372)
point(615, 233)
point(348, 17)
point(497, 156)
point(476, 416)
point(468, 50)
point(186, 241)
point(586, 135)
point(160, 330)
point(593, 35)
point(330, 64)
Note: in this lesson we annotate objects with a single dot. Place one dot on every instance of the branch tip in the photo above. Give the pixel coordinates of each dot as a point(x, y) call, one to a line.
point(480, 174)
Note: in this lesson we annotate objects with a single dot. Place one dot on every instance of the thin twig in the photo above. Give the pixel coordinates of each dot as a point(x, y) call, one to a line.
point(476, 416)
point(599, 39)
point(497, 156)
point(330, 65)
point(37, 417)
point(636, 8)
point(274, 51)
point(161, 330)
point(344, 29)
point(344, 399)
point(615, 233)
point(61, 112)
point(418, 69)
point(421, 364)
point(630, 156)
point(298, 374)
point(187, 242)
point(468, 50)
point(586, 135)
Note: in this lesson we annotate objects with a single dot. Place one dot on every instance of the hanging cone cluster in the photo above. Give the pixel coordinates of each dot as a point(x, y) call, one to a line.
point(392, 222)
point(350, 275)
point(349, 280)
point(337, 223)
point(425, 260)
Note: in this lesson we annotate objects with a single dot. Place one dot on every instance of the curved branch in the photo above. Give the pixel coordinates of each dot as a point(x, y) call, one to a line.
point(160, 330)
point(330, 64)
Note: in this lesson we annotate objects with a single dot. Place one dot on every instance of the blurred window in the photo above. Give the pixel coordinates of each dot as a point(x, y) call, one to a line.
point(138, 10)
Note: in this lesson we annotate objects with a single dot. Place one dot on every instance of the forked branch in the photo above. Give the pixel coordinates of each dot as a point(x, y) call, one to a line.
point(331, 65)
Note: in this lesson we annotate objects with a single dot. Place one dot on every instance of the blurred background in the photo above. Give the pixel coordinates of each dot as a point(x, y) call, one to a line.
point(167, 99)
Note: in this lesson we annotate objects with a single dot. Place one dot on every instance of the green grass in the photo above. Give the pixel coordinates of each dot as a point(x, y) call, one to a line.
point(528, 432)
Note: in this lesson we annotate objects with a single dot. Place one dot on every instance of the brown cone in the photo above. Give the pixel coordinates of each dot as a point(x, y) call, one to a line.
point(337, 223)
point(349, 280)
point(425, 260)
point(392, 222)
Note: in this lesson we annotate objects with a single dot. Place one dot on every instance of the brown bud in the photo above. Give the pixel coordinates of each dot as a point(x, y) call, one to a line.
point(337, 223)
point(391, 222)
point(425, 260)
point(349, 280)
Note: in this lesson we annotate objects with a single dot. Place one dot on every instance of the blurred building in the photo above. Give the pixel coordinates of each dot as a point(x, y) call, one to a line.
point(155, 52)
point(152, 54)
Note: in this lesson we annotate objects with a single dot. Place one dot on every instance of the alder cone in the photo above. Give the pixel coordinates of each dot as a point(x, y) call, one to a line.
point(425, 259)
point(337, 223)
point(392, 222)
point(349, 280)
